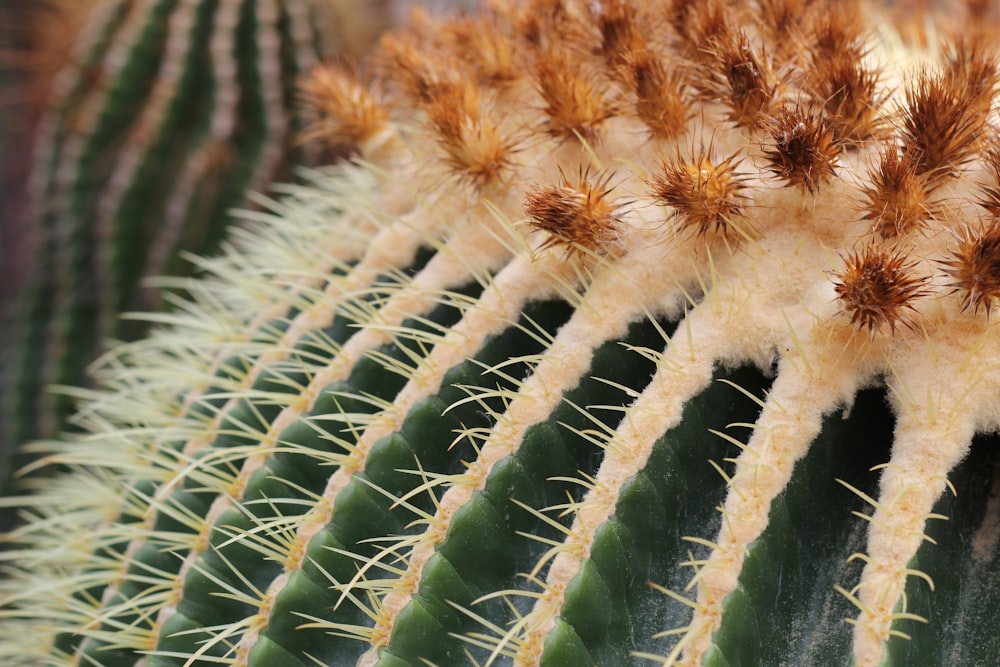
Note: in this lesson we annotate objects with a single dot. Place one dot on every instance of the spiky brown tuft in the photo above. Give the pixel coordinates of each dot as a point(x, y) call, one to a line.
point(740, 77)
point(580, 215)
point(838, 80)
point(660, 100)
point(617, 22)
point(486, 45)
point(474, 147)
point(706, 195)
point(804, 151)
point(898, 196)
point(349, 112)
point(576, 102)
point(877, 288)
point(974, 267)
point(940, 126)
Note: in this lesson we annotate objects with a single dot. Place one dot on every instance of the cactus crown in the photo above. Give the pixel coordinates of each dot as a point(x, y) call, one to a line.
point(581, 360)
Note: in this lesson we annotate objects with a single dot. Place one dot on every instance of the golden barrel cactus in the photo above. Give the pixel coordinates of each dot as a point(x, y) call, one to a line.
point(632, 333)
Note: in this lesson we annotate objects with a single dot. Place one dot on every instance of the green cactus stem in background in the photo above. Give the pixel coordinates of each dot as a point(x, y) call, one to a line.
point(169, 111)
point(636, 333)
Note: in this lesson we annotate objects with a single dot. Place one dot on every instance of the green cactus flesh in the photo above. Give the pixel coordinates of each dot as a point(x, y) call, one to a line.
point(543, 378)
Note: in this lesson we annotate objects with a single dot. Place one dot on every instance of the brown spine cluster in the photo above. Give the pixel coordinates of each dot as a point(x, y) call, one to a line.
point(349, 113)
point(617, 22)
point(877, 288)
point(474, 148)
point(739, 76)
point(974, 268)
point(576, 102)
point(939, 127)
point(897, 200)
point(804, 151)
point(837, 79)
point(580, 216)
point(706, 195)
point(661, 103)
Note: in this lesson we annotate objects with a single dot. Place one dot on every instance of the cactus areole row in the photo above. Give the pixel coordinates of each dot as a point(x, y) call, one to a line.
point(632, 333)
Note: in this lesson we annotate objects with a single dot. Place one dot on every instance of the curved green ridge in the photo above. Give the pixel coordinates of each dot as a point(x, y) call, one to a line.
point(66, 243)
point(422, 441)
point(485, 545)
point(65, 311)
point(241, 426)
point(365, 514)
point(964, 565)
point(140, 210)
point(675, 495)
point(782, 611)
point(78, 295)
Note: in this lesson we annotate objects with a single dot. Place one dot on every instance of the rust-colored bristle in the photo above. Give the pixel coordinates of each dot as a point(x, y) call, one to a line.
point(990, 199)
point(974, 268)
point(419, 70)
point(739, 77)
point(660, 100)
point(486, 46)
point(877, 288)
point(349, 113)
point(580, 216)
point(706, 196)
point(545, 23)
point(474, 148)
point(898, 197)
point(576, 102)
point(804, 150)
point(941, 127)
point(782, 24)
point(697, 23)
point(838, 80)
point(970, 68)
point(838, 31)
point(617, 22)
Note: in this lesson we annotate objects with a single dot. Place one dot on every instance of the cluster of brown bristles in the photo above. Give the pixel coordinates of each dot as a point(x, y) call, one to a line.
point(796, 76)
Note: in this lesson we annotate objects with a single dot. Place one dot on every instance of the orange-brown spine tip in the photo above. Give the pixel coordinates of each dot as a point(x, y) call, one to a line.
point(990, 198)
point(877, 288)
point(577, 103)
point(697, 23)
point(782, 23)
point(488, 47)
point(349, 113)
point(740, 77)
point(974, 268)
point(617, 22)
point(474, 147)
point(970, 67)
point(838, 81)
point(898, 197)
point(417, 69)
point(706, 196)
point(661, 103)
point(803, 151)
point(581, 215)
point(940, 126)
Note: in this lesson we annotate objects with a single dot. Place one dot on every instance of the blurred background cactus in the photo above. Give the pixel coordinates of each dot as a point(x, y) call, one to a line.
point(130, 130)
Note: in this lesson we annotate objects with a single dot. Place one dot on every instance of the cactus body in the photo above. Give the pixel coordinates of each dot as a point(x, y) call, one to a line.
point(618, 347)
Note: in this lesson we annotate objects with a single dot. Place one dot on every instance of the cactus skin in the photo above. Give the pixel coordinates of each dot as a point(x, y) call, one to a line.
point(404, 420)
